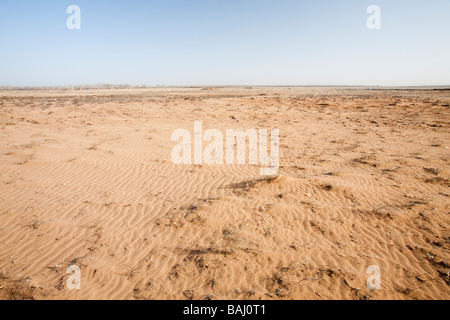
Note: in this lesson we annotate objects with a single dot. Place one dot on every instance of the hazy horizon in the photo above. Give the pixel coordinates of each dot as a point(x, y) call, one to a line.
point(250, 86)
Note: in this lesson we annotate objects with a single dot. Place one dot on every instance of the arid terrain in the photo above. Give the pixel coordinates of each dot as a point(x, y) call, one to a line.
point(86, 179)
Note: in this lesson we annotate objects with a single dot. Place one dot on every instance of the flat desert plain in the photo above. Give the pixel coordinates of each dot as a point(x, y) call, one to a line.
point(362, 193)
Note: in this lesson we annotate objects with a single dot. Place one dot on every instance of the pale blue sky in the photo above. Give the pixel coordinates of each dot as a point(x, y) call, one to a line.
point(225, 42)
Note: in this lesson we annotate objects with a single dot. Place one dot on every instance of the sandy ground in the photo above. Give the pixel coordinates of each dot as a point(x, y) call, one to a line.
point(86, 179)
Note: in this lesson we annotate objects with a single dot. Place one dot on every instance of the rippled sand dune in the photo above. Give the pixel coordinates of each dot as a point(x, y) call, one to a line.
point(86, 179)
